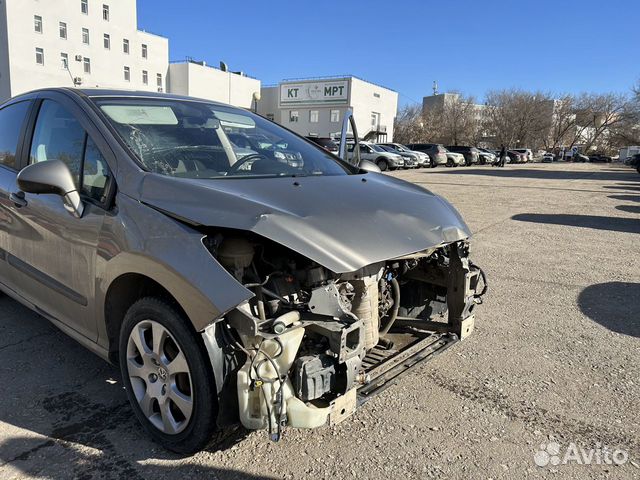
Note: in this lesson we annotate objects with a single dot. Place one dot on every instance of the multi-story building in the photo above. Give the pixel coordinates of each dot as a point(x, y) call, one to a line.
point(316, 106)
point(88, 43)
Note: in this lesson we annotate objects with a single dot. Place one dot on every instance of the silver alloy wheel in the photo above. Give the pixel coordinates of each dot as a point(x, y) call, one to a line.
point(160, 377)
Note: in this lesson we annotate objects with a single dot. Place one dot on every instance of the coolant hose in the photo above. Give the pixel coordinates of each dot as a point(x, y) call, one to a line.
point(396, 306)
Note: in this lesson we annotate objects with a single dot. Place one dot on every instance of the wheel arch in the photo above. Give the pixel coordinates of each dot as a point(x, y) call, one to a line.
point(122, 293)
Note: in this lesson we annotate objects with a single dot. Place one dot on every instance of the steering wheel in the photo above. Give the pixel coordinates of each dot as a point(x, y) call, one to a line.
point(236, 166)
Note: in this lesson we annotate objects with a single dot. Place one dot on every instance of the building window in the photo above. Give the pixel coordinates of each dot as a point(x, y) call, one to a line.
point(313, 116)
point(107, 41)
point(85, 36)
point(293, 116)
point(64, 60)
point(87, 65)
point(145, 51)
point(159, 80)
point(335, 116)
point(375, 119)
point(39, 56)
point(37, 20)
point(125, 46)
point(84, 6)
point(63, 30)
point(105, 12)
point(145, 77)
point(127, 74)
point(271, 116)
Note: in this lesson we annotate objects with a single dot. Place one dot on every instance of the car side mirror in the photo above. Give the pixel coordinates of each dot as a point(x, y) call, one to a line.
point(368, 166)
point(52, 177)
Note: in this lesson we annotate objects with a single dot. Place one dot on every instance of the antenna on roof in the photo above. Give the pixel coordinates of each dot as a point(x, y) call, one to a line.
point(435, 87)
point(223, 66)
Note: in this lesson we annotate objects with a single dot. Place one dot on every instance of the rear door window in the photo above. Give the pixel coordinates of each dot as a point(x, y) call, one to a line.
point(11, 121)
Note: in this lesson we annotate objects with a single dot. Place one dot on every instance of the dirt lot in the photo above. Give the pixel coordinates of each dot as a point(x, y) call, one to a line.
point(555, 358)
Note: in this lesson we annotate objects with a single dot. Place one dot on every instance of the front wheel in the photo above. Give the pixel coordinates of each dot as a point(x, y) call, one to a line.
point(167, 376)
point(383, 165)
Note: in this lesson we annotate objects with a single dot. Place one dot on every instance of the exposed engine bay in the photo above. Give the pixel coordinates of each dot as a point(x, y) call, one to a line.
point(312, 344)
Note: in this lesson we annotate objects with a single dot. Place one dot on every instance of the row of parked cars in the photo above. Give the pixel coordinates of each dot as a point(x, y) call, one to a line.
point(391, 156)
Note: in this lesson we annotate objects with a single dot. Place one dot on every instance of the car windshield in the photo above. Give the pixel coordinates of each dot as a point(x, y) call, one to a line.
point(377, 148)
point(191, 139)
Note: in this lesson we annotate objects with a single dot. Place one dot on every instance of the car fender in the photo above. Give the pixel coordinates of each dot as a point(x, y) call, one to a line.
point(170, 253)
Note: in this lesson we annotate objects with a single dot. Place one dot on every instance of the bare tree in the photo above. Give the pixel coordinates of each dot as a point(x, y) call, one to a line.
point(519, 118)
point(409, 125)
point(563, 121)
point(453, 122)
point(597, 115)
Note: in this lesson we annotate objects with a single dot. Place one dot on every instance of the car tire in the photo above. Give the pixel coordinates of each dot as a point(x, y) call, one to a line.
point(434, 164)
point(383, 165)
point(175, 402)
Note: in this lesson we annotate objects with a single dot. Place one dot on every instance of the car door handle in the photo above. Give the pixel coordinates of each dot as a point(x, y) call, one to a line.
point(18, 199)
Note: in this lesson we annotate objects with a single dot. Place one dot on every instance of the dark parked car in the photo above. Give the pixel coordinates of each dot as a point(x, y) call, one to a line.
point(600, 158)
point(325, 142)
point(437, 153)
point(229, 290)
point(471, 154)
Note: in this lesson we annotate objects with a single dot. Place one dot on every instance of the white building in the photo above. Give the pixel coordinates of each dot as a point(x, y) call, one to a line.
point(46, 43)
point(197, 79)
point(316, 107)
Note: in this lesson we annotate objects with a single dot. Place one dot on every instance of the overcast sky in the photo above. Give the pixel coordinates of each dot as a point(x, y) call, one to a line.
point(468, 45)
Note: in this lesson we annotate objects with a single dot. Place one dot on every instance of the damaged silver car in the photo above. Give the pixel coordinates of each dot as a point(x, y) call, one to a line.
point(236, 272)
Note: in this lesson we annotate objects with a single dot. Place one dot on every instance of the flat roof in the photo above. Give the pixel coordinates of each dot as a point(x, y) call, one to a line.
point(335, 77)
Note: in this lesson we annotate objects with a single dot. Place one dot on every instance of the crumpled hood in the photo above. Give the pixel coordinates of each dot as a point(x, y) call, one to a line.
point(341, 222)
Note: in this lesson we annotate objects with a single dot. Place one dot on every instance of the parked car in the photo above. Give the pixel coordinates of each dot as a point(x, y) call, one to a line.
point(548, 157)
point(325, 142)
point(375, 154)
point(410, 160)
point(486, 156)
point(599, 157)
point(579, 158)
point(528, 154)
point(437, 153)
point(455, 159)
point(422, 159)
point(633, 160)
point(516, 157)
point(229, 291)
point(471, 154)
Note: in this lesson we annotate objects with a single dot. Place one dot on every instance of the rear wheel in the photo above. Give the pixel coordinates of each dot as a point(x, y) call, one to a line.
point(382, 164)
point(167, 376)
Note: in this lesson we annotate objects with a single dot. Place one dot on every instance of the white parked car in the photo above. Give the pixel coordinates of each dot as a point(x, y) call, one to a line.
point(528, 154)
point(373, 153)
point(455, 159)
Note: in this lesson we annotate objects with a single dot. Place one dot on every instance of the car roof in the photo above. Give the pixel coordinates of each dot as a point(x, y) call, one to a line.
point(106, 93)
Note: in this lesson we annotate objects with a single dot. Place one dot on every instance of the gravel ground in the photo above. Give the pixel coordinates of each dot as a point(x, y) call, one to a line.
point(555, 358)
